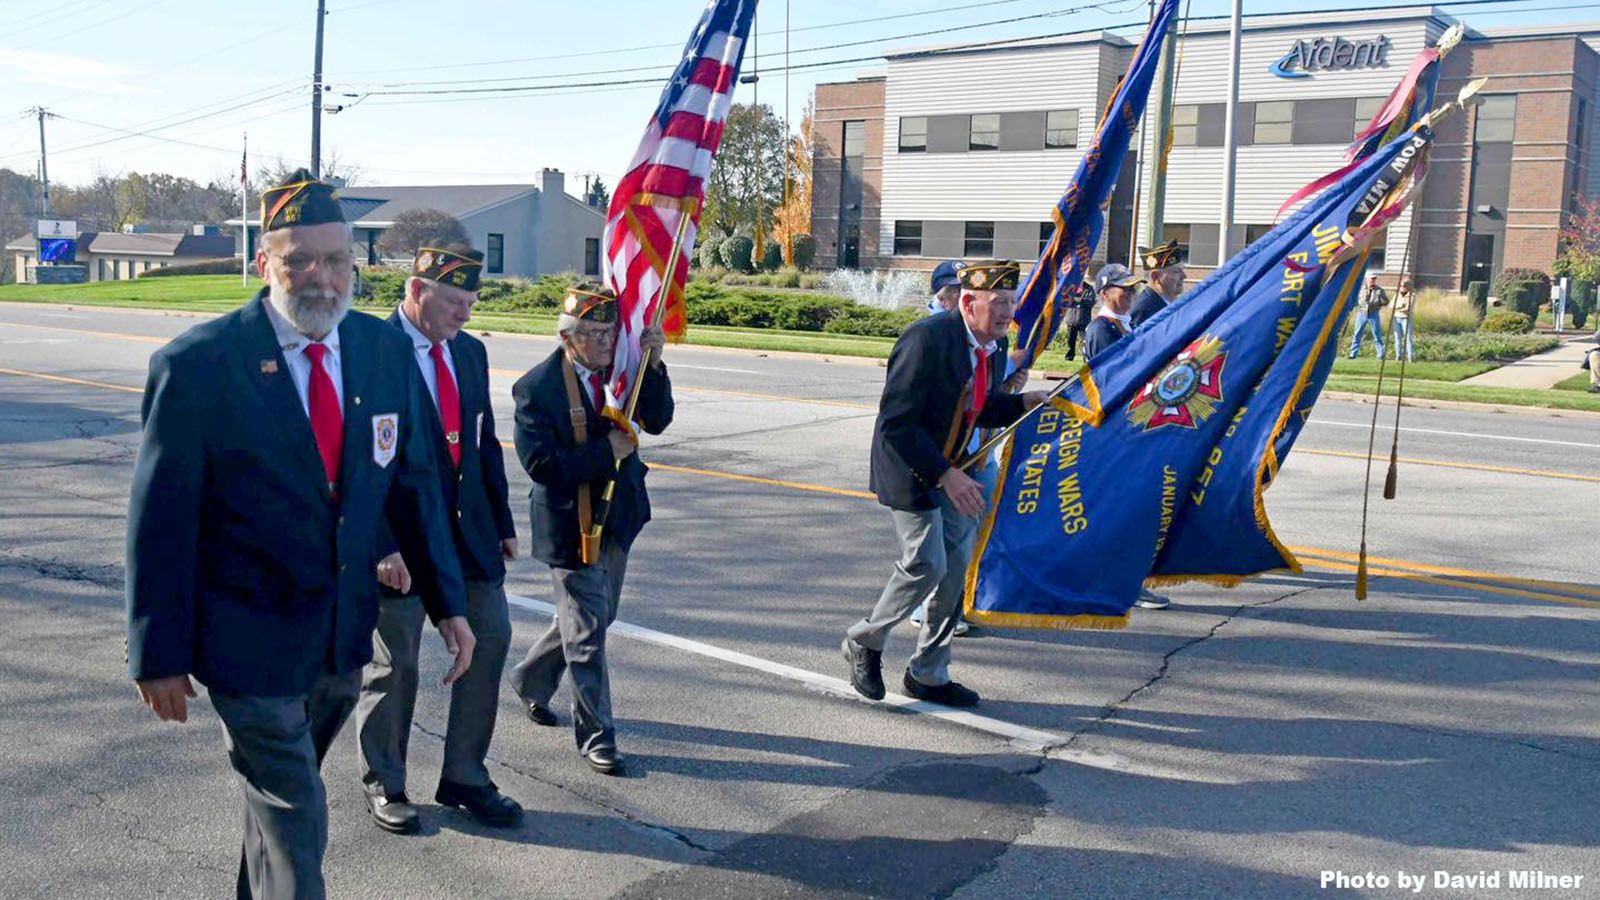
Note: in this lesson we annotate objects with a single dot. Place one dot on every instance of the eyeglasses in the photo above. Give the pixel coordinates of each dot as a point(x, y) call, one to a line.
point(594, 335)
point(305, 262)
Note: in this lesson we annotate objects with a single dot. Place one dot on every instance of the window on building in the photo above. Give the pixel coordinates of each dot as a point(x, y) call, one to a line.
point(1061, 128)
point(855, 139)
point(1185, 125)
point(1497, 119)
point(1179, 233)
point(591, 256)
point(1366, 108)
point(1580, 123)
point(1325, 121)
point(1253, 233)
point(1378, 258)
point(495, 259)
point(979, 240)
point(984, 132)
point(907, 238)
point(913, 134)
point(1274, 122)
point(1047, 230)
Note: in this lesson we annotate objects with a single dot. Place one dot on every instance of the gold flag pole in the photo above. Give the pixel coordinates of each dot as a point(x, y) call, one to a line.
point(590, 550)
point(1005, 432)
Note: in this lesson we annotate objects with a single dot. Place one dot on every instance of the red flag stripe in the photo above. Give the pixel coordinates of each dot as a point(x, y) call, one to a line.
point(710, 73)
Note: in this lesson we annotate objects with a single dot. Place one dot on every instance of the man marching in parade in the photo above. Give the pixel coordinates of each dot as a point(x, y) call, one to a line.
point(454, 368)
point(944, 380)
point(570, 449)
point(276, 440)
point(1114, 284)
point(1164, 277)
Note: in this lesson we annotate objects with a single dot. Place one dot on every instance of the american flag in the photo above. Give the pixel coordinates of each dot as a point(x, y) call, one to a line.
point(666, 181)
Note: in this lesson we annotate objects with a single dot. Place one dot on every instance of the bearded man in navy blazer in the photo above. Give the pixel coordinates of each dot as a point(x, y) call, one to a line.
point(454, 366)
point(277, 440)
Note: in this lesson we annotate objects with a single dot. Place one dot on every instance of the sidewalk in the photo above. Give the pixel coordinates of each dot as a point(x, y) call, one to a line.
point(1541, 371)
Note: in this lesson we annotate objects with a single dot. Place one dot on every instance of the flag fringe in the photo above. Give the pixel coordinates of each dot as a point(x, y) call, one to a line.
point(1081, 622)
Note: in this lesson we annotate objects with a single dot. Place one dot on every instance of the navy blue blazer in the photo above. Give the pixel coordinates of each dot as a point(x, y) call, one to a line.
point(475, 495)
point(1145, 305)
point(1099, 336)
point(559, 465)
point(929, 376)
point(243, 570)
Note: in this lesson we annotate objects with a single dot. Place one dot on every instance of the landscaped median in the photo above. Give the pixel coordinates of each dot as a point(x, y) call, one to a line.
point(754, 319)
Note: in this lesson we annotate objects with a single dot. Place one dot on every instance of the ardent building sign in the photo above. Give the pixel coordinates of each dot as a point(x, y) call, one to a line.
point(1332, 54)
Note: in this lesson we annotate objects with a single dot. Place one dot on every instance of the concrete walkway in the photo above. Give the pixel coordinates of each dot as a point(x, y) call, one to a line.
point(1541, 371)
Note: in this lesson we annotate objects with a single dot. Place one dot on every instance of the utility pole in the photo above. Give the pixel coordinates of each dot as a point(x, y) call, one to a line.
point(44, 168)
point(1161, 126)
point(1230, 138)
point(316, 96)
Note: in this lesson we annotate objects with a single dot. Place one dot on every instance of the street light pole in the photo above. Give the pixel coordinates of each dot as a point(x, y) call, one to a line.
point(1230, 138)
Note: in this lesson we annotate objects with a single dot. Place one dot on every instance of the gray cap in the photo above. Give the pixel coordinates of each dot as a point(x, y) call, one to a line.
point(1115, 275)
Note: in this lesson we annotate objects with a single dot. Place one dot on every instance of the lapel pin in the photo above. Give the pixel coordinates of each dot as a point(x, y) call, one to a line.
point(269, 367)
point(358, 399)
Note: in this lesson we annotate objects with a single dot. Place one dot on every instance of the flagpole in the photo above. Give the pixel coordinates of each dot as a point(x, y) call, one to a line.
point(1230, 138)
point(1005, 432)
point(590, 550)
point(244, 214)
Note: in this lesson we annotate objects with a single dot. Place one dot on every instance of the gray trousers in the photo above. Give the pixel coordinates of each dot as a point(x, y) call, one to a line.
point(935, 546)
point(389, 691)
point(277, 744)
point(586, 604)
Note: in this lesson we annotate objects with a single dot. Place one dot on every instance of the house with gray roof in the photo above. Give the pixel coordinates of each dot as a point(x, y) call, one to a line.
point(117, 256)
point(524, 230)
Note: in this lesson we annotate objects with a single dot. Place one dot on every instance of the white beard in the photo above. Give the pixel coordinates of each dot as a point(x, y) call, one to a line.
point(313, 312)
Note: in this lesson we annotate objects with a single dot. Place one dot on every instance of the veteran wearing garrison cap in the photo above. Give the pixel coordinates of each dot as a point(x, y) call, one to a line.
point(454, 368)
point(943, 381)
point(1164, 277)
point(277, 439)
point(571, 449)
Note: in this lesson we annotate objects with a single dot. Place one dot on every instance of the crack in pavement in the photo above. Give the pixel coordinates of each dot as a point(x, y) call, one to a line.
point(131, 830)
point(60, 571)
point(631, 818)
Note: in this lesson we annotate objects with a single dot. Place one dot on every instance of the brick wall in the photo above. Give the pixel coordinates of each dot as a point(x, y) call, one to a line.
point(835, 105)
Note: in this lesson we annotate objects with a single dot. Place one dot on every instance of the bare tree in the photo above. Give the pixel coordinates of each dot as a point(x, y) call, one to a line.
point(420, 228)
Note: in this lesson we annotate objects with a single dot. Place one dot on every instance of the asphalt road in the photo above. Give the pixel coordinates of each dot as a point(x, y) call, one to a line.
point(1240, 744)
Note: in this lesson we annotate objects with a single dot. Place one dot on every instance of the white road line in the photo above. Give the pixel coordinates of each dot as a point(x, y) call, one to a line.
point(61, 316)
point(679, 365)
point(1467, 434)
point(1019, 737)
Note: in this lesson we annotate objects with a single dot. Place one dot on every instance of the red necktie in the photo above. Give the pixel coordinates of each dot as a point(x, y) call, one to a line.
point(327, 420)
point(596, 385)
point(449, 403)
point(980, 382)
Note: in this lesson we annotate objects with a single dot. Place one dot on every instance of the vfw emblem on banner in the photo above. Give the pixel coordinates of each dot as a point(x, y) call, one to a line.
point(385, 437)
point(1185, 393)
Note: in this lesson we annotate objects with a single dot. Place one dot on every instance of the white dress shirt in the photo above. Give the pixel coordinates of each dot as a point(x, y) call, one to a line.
point(423, 347)
point(293, 344)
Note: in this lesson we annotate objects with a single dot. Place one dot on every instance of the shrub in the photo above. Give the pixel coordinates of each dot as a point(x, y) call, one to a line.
point(772, 257)
point(1503, 281)
point(866, 320)
point(1580, 300)
point(382, 287)
point(1507, 323)
point(224, 266)
point(709, 253)
point(1438, 312)
point(735, 253)
point(1523, 290)
point(1478, 298)
point(1481, 347)
point(804, 249)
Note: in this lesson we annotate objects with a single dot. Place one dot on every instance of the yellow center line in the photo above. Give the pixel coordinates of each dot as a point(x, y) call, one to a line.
point(1477, 467)
point(847, 404)
point(1553, 586)
point(142, 338)
point(1381, 571)
point(64, 379)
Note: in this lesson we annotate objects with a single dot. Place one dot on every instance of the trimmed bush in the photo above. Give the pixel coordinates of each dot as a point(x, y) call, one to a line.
point(735, 253)
point(382, 287)
point(1580, 301)
point(224, 266)
point(709, 254)
point(1481, 347)
point(804, 248)
point(1478, 298)
point(866, 320)
point(1507, 323)
point(772, 257)
point(1523, 290)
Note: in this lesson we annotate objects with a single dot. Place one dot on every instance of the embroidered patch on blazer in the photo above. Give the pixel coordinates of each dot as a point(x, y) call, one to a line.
point(385, 438)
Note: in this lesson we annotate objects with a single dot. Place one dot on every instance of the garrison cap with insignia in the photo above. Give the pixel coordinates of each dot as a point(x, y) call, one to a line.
point(458, 267)
point(1160, 256)
point(591, 303)
point(990, 275)
point(300, 200)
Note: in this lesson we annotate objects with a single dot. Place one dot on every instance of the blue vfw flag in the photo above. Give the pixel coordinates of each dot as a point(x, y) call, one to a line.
point(1079, 215)
point(1154, 462)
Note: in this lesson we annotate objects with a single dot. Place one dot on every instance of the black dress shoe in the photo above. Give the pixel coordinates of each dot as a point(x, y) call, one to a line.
point(541, 715)
point(394, 813)
point(948, 694)
point(483, 802)
point(866, 669)
point(605, 760)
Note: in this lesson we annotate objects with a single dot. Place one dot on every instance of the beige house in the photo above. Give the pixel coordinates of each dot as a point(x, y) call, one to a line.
point(111, 256)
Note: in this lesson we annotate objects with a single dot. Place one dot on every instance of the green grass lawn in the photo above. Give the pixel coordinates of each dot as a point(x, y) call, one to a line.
point(199, 293)
point(1446, 390)
point(1430, 371)
point(1578, 382)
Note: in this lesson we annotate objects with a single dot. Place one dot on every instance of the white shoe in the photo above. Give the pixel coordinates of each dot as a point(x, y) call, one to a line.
point(1148, 600)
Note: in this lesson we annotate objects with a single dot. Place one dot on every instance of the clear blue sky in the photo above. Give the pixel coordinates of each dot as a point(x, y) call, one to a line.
point(144, 64)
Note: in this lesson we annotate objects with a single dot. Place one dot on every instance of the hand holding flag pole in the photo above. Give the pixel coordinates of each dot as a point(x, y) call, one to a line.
point(1003, 433)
